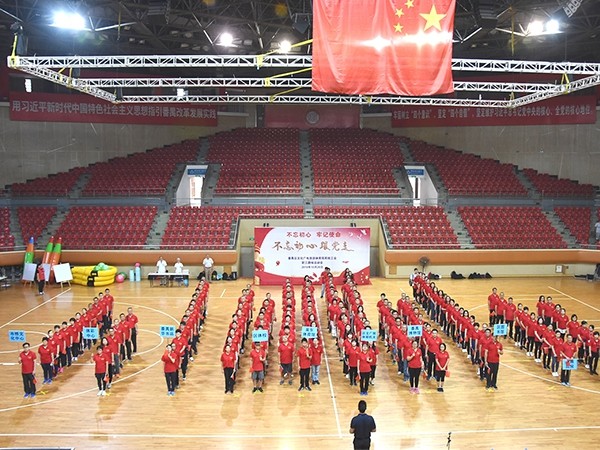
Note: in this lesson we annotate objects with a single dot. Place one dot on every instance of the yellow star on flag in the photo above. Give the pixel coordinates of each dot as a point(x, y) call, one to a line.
point(433, 19)
point(398, 28)
point(410, 3)
point(399, 12)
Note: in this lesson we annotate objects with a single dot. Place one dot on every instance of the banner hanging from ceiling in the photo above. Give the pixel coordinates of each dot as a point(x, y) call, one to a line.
point(293, 252)
point(85, 108)
point(312, 116)
point(554, 111)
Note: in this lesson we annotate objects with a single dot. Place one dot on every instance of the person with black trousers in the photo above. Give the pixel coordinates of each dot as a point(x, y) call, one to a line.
point(361, 426)
point(415, 365)
point(228, 360)
point(40, 277)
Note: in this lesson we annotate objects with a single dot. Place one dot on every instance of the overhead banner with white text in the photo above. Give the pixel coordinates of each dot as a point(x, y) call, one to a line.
point(293, 252)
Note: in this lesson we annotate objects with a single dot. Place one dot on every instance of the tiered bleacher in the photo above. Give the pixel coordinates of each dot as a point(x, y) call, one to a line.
point(552, 186)
point(577, 219)
point(467, 174)
point(57, 185)
point(410, 227)
point(33, 220)
point(106, 227)
point(510, 227)
point(354, 162)
point(146, 173)
point(257, 161)
point(210, 226)
point(7, 240)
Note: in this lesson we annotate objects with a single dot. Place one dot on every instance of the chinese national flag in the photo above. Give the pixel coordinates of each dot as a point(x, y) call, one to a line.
point(401, 47)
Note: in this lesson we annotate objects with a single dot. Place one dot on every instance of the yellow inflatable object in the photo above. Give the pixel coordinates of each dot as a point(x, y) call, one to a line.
point(89, 276)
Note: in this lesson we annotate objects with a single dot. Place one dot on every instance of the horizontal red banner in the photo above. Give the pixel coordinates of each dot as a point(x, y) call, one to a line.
point(312, 116)
point(85, 108)
point(557, 110)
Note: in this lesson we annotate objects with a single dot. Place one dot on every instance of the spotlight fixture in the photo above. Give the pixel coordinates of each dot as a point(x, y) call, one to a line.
point(69, 20)
point(27, 84)
point(285, 46)
point(226, 39)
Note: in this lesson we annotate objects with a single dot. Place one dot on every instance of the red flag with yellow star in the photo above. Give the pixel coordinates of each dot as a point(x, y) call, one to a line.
point(401, 47)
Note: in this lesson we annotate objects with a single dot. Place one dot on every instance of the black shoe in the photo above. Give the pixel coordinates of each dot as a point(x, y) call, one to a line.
point(300, 388)
point(318, 382)
point(308, 388)
point(260, 389)
point(254, 390)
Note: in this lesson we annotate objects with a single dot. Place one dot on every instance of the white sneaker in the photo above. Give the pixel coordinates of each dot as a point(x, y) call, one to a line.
point(537, 360)
point(347, 375)
point(103, 393)
point(587, 366)
point(372, 382)
point(554, 374)
point(464, 350)
point(99, 393)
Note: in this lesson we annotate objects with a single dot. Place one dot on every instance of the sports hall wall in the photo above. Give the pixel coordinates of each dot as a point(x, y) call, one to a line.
point(569, 151)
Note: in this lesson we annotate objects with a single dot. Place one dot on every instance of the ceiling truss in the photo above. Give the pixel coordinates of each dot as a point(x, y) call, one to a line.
point(56, 68)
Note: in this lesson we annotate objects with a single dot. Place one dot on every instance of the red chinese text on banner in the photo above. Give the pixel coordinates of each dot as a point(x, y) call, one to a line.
point(401, 47)
point(557, 110)
point(84, 108)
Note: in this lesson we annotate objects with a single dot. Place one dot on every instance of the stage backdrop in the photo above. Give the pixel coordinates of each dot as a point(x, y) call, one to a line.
point(293, 252)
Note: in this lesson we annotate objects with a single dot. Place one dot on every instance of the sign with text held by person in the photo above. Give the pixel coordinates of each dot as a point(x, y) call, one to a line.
point(414, 331)
point(557, 110)
point(260, 336)
point(40, 107)
point(368, 335)
point(90, 333)
point(569, 364)
point(16, 336)
point(500, 329)
point(310, 332)
point(293, 252)
point(167, 331)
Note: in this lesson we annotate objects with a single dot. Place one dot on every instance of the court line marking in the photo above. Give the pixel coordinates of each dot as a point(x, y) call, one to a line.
point(301, 436)
point(476, 307)
point(34, 308)
point(524, 372)
point(76, 394)
point(335, 408)
point(573, 298)
point(222, 293)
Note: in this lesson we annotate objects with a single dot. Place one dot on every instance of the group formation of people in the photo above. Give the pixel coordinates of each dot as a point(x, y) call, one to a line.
point(546, 333)
point(235, 341)
point(346, 321)
point(182, 349)
point(66, 343)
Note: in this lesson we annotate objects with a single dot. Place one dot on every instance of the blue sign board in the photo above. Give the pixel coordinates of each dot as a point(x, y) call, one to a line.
point(415, 172)
point(569, 364)
point(414, 331)
point(500, 329)
point(260, 336)
point(197, 172)
point(368, 335)
point(90, 333)
point(16, 335)
point(167, 331)
point(310, 332)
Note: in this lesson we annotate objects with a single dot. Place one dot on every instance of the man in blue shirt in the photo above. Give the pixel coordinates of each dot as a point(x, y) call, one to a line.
point(362, 426)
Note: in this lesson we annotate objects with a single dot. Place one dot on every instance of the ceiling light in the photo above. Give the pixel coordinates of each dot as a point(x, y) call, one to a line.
point(553, 26)
point(226, 39)
point(535, 28)
point(69, 20)
point(181, 92)
point(285, 47)
point(27, 84)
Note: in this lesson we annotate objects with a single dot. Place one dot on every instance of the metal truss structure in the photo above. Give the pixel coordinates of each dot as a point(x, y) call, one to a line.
point(52, 68)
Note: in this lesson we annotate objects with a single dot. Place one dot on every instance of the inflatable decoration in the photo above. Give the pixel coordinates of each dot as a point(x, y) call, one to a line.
point(29, 251)
point(98, 275)
point(119, 278)
point(48, 252)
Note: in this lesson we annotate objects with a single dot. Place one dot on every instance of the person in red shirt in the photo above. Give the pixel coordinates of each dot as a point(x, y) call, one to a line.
point(492, 362)
point(41, 279)
point(115, 340)
point(593, 347)
point(415, 365)
point(126, 349)
point(568, 351)
point(108, 354)
point(432, 344)
point(315, 362)
point(324, 278)
point(304, 354)
point(258, 357)
point(364, 368)
point(492, 301)
point(100, 362)
point(133, 321)
point(510, 311)
point(374, 351)
point(351, 354)
point(441, 366)
point(170, 360)
point(27, 361)
point(286, 359)
point(228, 361)
point(46, 360)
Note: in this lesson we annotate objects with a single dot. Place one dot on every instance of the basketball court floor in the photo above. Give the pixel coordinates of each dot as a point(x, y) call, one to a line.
point(530, 410)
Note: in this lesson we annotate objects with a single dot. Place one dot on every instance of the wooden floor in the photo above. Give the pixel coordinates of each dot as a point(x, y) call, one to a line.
point(530, 409)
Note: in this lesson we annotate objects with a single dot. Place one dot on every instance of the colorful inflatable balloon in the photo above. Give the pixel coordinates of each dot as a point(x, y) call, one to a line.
point(48, 252)
point(55, 257)
point(119, 278)
point(29, 251)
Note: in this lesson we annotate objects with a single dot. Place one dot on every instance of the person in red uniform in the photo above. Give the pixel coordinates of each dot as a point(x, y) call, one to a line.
point(492, 302)
point(286, 359)
point(170, 360)
point(364, 368)
point(133, 321)
point(351, 353)
point(46, 360)
point(593, 348)
point(100, 361)
point(27, 362)
point(107, 352)
point(41, 279)
point(228, 361)
point(315, 362)
point(493, 350)
point(304, 355)
point(510, 311)
point(567, 351)
point(258, 357)
point(324, 278)
point(415, 365)
point(441, 366)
